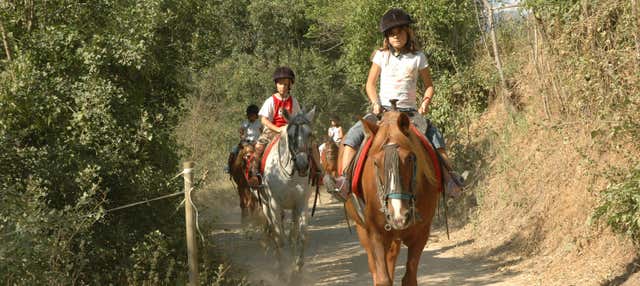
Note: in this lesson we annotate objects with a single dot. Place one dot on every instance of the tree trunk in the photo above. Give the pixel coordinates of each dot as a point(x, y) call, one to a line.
point(636, 25)
point(492, 33)
point(5, 42)
point(482, 38)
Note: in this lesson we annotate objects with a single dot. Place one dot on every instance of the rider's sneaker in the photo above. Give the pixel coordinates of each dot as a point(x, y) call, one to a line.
point(339, 187)
point(226, 170)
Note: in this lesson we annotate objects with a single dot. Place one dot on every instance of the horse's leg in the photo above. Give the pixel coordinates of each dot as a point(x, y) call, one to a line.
point(379, 246)
point(242, 193)
point(272, 213)
point(392, 256)
point(415, 247)
point(299, 230)
point(364, 241)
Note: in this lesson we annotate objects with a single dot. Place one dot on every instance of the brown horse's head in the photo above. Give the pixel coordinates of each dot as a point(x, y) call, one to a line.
point(399, 166)
point(246, 163)
point(329, 157)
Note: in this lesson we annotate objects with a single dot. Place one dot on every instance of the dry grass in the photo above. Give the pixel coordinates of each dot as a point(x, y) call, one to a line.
point(536, 193)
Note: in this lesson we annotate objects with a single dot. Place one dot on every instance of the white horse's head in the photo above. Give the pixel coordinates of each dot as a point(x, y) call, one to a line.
point(299, 139)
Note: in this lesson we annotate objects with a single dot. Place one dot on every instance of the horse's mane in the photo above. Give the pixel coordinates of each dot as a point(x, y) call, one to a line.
point(389, 131)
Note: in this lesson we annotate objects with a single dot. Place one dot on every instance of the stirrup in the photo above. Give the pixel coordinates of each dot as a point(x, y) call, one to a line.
point(358, 205)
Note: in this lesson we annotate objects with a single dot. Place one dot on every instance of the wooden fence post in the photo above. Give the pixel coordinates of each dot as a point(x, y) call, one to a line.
point(192, 245)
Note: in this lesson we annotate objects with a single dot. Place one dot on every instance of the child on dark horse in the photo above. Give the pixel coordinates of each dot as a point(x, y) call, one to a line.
point(250, 130)
point(397, 64)
point(271, 113)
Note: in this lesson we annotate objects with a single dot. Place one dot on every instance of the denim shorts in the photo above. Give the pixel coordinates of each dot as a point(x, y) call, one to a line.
point(355, 135)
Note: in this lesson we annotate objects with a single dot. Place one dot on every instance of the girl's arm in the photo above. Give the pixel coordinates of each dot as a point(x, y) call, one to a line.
point(428, 94)
point(374, 74)
point(340, 135)
point(265, 122)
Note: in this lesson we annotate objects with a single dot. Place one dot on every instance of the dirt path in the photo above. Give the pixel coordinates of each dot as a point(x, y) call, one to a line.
point(335, 257)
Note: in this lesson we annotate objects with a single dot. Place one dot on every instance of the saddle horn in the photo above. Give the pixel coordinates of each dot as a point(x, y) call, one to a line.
point(394, 107)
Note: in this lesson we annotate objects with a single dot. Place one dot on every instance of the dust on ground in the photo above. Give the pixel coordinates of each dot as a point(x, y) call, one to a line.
point(334, 256)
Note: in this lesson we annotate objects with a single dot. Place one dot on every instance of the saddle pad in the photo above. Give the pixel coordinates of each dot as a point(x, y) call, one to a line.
point(357, 172)
point(266, 152)
point(432, 153)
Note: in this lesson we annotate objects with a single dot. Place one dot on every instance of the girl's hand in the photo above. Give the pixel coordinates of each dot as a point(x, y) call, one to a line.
point(377, 109)
point(282, 128)
point(424, 107)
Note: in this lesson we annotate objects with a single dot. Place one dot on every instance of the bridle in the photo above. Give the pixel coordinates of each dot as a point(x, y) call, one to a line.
point(390, 185)
point(296, 150)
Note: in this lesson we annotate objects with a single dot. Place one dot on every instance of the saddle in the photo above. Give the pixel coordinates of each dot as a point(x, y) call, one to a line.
point(355, 168)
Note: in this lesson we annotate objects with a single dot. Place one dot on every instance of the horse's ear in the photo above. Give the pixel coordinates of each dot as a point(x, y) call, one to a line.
point(285, 114)
point(370, 128)
point(311, 114)
point(404, 123)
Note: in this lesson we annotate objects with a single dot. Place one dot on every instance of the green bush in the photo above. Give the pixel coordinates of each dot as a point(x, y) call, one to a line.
point(620, 206)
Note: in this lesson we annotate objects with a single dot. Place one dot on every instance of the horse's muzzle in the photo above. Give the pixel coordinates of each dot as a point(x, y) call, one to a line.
point(302, 164)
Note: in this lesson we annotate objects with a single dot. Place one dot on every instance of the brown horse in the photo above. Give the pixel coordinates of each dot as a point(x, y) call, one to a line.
point(240, 173)
point(329, 157)
point(401, 190)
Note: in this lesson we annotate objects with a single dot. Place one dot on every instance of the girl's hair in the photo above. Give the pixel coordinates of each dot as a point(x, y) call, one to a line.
point(410, 47)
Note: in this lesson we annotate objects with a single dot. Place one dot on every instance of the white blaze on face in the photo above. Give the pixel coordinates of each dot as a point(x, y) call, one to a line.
point(396, 204)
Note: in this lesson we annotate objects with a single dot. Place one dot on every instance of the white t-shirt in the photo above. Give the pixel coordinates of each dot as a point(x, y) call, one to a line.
point(333, 132)
point(268, 108)
point(399, 76)
point(252, 130)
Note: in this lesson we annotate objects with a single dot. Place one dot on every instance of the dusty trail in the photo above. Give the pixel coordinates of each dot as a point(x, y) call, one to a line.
point(335, 257)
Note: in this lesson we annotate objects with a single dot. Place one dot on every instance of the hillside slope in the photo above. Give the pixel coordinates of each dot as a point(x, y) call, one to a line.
point(536, 184)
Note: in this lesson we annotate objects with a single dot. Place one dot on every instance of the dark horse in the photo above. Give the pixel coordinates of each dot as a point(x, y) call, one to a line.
point(401, 190)
point(240, 171)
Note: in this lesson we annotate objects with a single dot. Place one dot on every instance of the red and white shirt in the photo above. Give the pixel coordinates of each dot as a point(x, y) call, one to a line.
point(273, 106)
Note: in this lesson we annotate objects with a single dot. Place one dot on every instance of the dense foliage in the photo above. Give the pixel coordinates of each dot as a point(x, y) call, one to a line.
point(89, 97)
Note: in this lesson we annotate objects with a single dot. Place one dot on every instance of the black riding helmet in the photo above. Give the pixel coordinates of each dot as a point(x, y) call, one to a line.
point(252, 109)
point(395, 17)
point(284, 72)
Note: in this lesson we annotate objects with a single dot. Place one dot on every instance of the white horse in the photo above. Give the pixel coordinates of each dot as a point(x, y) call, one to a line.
point(286, 186)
